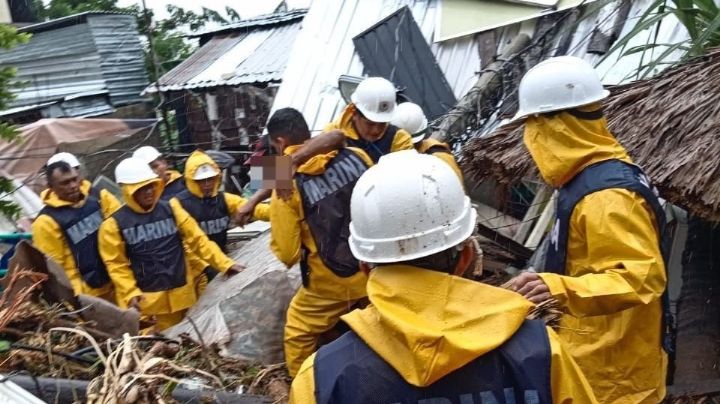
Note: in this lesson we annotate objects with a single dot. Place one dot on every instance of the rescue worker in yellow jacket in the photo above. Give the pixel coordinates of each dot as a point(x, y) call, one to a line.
point(311, 227)
point(429, 334)
point(108, 199)
point(173, 180)
point(211, 208)
point(365, 122)
point(142, 245)
point(66, 230)
point(410, 116)
point(605, 263)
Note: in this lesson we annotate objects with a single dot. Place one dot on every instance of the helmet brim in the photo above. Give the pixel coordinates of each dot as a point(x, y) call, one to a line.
point(523, 115)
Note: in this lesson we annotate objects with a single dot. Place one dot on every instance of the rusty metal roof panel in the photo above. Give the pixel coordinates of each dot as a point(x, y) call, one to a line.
point(236, 58)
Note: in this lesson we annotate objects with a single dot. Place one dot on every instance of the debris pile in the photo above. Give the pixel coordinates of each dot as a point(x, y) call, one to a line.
point(51, 339)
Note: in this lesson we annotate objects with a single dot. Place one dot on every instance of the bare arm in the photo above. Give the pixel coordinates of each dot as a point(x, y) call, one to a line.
point(323, 143)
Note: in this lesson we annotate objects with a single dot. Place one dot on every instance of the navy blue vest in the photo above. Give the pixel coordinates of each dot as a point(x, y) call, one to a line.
point(377, 148)
point(347, 371)
point(597, 177)
point(326, 203)
point(211, 214)
point(80, 228)
point(173, 189)
point(153, 246)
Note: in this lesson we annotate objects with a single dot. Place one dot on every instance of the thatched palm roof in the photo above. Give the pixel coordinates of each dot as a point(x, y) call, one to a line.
point(670, 125)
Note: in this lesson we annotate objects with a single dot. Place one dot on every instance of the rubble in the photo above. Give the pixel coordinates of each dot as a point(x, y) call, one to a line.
point(50, 338)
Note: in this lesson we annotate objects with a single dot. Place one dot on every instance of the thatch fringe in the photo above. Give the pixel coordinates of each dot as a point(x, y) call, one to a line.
point(669, 124)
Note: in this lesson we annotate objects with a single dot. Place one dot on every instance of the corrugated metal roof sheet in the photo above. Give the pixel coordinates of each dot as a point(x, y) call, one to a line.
point(257, 56)
point(101, 53)
point(324, 50)
point(396, 49)
point(74, 19)
point(259, 21)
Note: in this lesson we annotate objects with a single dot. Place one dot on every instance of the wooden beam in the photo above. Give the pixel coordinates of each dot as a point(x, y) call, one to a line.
point(543, 195)
point(490, 80)
point(542, 224)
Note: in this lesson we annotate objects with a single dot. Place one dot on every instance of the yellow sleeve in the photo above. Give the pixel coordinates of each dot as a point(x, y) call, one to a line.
point(616, 239)
point(331, 126)
point(567, 381)
point(109, 203)
point(234, 202)
point(285, 230)
point(112, 251)
point(302, 390)
point(196, 239)
point(364, 156)
point(402, 141)
point(49, 239)
point(450, 159)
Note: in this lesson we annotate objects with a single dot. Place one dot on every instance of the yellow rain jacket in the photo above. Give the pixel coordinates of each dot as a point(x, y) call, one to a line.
point(402, 140)
point(49, 238)
point(112, 250)
point(318, 307)
point(446, 156)
point(615, 275)
point(234, 202)
point(427, 324)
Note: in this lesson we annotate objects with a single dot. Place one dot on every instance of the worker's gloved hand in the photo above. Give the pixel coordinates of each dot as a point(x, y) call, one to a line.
point(147, 322)
point(530, 285)
point(134, 303)
point(234, 270)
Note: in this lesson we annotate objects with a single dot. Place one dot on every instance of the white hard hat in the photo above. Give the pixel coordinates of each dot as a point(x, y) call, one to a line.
point(147, 153)
point(375, 98)
point(205, 171)
point(133, 170)
point(410, 116)
point(559, 83)
point(66, 157)
point(408, 206)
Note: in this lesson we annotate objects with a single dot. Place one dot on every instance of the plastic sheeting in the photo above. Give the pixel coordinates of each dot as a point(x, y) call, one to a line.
point(245, 315)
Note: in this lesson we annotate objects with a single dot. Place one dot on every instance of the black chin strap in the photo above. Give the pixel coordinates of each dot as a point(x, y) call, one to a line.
point(584, 115)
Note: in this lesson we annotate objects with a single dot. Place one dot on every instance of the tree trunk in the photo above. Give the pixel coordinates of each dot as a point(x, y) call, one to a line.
point(698, 334)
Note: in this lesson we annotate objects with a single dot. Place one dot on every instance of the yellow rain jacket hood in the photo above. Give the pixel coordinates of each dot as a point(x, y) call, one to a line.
point(563, 145)
point(402, 140)
point(48, 238)
point(427, 324)
point(197, 159)
point(614, 274)
point(112, 250)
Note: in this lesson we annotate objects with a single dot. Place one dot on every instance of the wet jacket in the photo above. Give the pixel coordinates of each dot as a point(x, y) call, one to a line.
point(614, 272)
point(50, 238)
point(174, 186)
point(459, 340)
point(442, 151)
point(291, 236)
point(213, 213)
point(116, 253)
point(393, 140)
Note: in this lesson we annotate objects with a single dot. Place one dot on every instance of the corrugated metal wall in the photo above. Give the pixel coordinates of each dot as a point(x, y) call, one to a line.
point(55, 64)
point(121, 56)
point(100, 54)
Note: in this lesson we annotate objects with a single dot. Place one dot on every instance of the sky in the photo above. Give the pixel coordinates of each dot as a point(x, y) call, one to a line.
point(246, 8)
